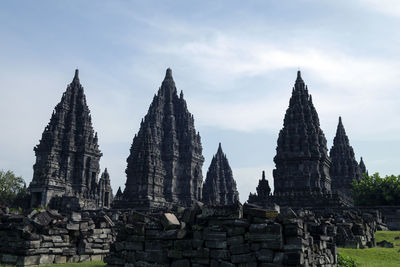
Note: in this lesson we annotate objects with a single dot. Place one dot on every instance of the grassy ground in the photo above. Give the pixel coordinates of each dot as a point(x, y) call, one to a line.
point(377, 257)
point(81, 264)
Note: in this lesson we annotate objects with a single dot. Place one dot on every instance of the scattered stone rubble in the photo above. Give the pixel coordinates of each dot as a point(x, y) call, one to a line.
point(46, 237)
point(353, 228)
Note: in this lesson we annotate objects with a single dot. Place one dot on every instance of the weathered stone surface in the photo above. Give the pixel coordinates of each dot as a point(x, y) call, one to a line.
point(344, 168)
point(165, 161)
point(219, 187)
point(181, 263)
point(57, 240)
point(169, 221)
point(67, 156)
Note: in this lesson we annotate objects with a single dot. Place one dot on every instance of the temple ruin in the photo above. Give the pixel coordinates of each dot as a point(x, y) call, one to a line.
point(165, 161)
point(68, 155)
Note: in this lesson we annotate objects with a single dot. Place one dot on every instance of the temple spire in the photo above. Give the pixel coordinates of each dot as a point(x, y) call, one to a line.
point(165, 144)
point(362, 167)
point(76, 76)
point(168, 74)
point(302, 161)
point(67, 155)
point(299, 79)
point(344, 168)
point(263, 188)
point(220, 187)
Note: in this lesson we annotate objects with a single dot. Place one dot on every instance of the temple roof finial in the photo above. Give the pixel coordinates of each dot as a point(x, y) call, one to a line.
point(299, 79)
point(168, 74)
point(76, 76)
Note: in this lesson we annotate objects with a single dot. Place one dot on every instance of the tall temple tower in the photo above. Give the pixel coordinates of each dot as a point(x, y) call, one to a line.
point(219, 187)
point(165, 161)
point(302, 161)
point(68, 155)
point(344, 167)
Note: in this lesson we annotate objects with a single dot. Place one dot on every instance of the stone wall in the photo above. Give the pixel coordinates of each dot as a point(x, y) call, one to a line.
point(223, 236)
point(354, 228)
point(390, 216)
point(46, 237)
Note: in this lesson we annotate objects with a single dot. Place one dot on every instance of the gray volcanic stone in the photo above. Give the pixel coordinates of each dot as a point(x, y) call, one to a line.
point(344, 168)
point(68, 155)
point(219, 187)
point(302, 161)
point(169, 221)
point(165, 161)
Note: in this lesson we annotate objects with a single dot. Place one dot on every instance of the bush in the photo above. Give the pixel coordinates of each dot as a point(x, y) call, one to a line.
point(377, 191)
point(346, 261)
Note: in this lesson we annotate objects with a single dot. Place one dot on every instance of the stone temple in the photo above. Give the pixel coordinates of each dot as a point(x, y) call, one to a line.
point(219, 187)
point(344, 167)
point(165, 162)
point(302, 161)
point(302, 164)
point(68, 155)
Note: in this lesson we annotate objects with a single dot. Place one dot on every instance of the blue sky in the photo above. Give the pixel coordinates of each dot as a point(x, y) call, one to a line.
point(235, 61)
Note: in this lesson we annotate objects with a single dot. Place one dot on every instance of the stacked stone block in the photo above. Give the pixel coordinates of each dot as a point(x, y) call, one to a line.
point(47, 237)
point(223, 236)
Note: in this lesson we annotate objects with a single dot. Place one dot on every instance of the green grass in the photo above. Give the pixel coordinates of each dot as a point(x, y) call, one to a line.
point(84, 264)
point(377, 257)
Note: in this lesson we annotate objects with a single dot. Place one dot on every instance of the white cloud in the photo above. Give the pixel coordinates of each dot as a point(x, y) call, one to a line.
point(341, 84)
point(388, 7)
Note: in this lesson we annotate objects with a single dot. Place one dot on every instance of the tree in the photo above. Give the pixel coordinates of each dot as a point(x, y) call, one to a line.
point(12, 189)
point(377, 191)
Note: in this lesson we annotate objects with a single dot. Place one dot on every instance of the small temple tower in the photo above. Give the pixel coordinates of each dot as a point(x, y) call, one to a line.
point(302, 161)
point(165, 161)
point(362, 167)
point(105, 190)
point(344, 168)
point(263, 194)
point(219, 187)
point(263, 188)
point(68, 155)
point(118, 195)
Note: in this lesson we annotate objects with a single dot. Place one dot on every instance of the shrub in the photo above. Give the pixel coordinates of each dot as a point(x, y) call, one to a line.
point(346, 261)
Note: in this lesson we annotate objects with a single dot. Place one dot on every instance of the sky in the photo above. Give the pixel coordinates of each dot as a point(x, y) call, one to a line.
point(235, 61)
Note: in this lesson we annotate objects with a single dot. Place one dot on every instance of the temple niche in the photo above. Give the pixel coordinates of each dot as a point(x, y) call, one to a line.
point(344, 167)
point(220, 187)
point(68, 155)
point(165, 162)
